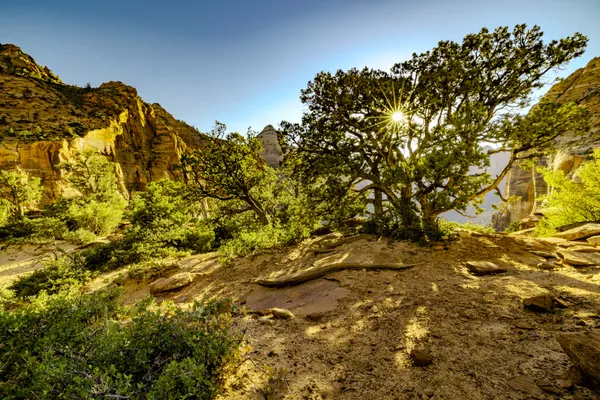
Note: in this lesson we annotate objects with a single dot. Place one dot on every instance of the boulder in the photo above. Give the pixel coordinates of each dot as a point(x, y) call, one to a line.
point(541, 303)
point(484, 268)
point(581, 232)
point(173, 282)
point(595, 240)
point(583, 349)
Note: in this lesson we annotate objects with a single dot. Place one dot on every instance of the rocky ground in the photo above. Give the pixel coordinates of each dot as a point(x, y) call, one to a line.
point(437, 330)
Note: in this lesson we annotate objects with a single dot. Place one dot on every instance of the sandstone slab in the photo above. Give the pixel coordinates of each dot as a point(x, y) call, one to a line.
point(579, 259)
point(171, 283)
point(595, 240)
point(583, 349)
point(581, 232)
point(311, 298)
point(545, 254)
point(525, 384)
point(484, 268)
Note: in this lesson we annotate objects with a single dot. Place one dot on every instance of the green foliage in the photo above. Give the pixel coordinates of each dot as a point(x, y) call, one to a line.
point(59, 274)
point(410, 139)
point(163, 226)
point(19, 191)
point(80, 236)
point(451, 226)
point(229, 168)
point(163, 201)
point(513, 227)
point(252, 241)
point(85, 346)
point(39, 230)
point(571, 200)
point(99, 207)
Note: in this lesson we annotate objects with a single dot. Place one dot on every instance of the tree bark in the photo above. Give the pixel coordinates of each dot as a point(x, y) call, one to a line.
point(378, 203)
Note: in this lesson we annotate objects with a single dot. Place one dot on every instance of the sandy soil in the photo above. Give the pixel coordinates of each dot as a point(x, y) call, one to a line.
point(19, 259)
point(354, 330)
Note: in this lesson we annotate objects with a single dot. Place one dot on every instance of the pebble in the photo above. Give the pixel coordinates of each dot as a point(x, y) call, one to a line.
point(421, 357)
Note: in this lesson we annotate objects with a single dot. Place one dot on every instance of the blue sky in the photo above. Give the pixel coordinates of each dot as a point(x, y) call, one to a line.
point(243, 62)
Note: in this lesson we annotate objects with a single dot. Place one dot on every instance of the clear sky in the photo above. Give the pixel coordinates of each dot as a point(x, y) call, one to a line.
point(243, 62)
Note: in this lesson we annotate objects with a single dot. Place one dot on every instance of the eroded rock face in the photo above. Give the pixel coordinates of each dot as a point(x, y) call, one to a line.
point(583, 88)
point(43, 122)
point(271, 152)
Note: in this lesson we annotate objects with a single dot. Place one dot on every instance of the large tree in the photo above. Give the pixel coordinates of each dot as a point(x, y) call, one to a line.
point(413, 137)
point(228, 168)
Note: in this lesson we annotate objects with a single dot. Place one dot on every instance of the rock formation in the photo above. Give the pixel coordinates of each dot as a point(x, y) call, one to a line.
point(272, 152)
point(583, 88)
point(43, 122)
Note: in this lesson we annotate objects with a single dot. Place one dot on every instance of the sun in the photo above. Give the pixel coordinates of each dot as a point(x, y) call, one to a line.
point(397, 116)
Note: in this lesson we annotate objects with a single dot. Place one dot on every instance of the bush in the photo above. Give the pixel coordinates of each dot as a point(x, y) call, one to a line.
point(100, 218)
point(513, 227)
point(451, 226)
point(80, 236)
point(85, 346)
point(38, 230)
point(59, 274)
point(251, 242)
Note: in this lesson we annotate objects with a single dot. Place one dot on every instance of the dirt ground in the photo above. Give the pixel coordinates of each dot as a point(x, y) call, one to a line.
point(353, 331)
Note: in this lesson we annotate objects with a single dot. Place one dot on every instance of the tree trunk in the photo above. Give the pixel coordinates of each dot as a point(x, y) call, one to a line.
point(405, 207)
point(378, 203)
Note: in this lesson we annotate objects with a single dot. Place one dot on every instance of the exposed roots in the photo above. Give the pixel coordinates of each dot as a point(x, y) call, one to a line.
point(315, 273)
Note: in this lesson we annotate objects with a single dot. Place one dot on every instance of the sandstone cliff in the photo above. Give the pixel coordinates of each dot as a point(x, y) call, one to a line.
point(43, 122)
point(271, 152)
point(582, 87)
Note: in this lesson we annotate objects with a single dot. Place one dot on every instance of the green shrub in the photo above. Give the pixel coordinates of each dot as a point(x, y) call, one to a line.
point(100, 218)
point(451, 226)
point(251, 242)
point(56, 275)
point(513, 227)
point(85, 346)
point(38, 230)
point(80, 236)
point(151, 270)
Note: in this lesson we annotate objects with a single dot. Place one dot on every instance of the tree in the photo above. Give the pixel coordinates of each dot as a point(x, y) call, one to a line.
point(19, 190)
point(92, 175)
point(410, 138)
point(571, 200)
point(99, 206)
point(228, 168)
